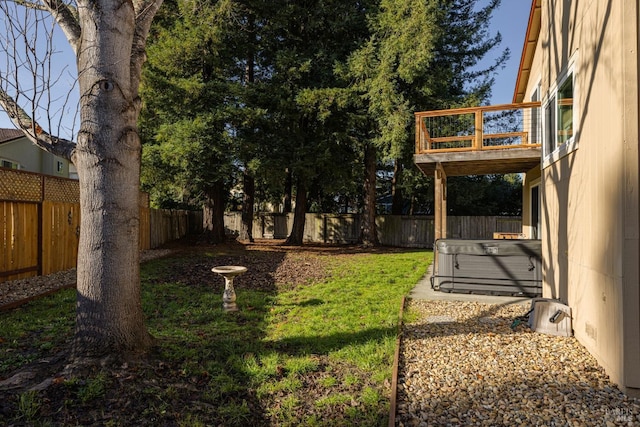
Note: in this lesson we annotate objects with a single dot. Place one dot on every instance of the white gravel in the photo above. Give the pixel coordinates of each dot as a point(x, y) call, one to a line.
point(461, 363)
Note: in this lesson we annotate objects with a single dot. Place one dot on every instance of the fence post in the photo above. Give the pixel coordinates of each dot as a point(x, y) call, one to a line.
point(478, 143)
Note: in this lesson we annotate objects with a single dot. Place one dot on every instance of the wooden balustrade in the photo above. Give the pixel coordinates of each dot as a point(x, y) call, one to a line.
point(495, 127)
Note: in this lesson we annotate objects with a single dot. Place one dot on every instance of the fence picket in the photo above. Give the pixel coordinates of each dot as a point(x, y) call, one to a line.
point(48, 242)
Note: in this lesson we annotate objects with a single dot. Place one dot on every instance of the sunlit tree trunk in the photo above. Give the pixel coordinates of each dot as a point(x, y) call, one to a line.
point(297, 232)
point(288, 189)
point(248, 201)
point(369, 232)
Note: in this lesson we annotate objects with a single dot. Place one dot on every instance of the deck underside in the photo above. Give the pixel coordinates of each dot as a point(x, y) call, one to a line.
point(485, 162)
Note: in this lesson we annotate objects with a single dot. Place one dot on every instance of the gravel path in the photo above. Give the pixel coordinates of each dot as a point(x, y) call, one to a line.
point(462, 364)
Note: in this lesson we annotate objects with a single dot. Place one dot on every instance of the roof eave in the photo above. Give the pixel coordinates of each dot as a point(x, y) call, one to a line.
point(528, 51)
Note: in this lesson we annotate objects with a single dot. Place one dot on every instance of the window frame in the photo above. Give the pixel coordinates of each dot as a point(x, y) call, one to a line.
point(12, 164)
point(554, 150)
point(535, 125)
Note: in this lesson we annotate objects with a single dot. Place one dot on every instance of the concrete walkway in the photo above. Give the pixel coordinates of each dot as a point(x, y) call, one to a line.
point(423, 291)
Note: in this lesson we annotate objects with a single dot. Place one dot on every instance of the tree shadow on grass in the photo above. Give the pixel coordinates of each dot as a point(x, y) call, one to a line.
point(325, 344)
point(207, 364)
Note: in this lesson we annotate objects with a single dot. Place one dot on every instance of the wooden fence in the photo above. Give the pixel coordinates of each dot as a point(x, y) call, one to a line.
point(393, 230)
point(168, 225)
point(40, 224)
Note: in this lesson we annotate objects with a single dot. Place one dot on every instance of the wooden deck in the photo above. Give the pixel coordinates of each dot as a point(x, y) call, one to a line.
point(479, 140)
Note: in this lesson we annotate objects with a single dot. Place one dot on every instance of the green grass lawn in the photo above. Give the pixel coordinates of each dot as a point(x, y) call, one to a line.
point(314, 354)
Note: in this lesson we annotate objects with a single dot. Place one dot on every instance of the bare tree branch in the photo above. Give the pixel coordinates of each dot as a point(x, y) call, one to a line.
point(30, 4)
point(29, 82)
point(33, 131)
point(66, 17)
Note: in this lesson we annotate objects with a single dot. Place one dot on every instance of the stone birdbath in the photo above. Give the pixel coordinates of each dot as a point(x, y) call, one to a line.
point(229, 272)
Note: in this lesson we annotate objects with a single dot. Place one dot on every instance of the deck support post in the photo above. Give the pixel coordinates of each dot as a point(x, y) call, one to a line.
point(440, 203)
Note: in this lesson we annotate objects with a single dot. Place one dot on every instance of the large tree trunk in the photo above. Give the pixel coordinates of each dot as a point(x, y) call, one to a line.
point(213, 213)
point(108, 38)
point(397, 201)
point(110, 53)
point(369, 233)
point(297, 231)
point(248, 181)
point(248, 201)
point(288, 189)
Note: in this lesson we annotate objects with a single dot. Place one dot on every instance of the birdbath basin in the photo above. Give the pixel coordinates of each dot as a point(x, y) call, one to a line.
point(229, 272)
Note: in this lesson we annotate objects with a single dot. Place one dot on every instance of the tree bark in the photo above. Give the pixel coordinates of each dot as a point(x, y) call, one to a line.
point(248, 201)
point(369, 235)
point(397, 201)
point(248, 181)
point(288, 189)
point(297, 231)
point(109, 316)
point(213, 213)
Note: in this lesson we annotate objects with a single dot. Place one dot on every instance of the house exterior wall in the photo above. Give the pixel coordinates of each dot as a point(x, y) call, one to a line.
point(531, 178)
point(34, 159)
point(26, 154)
point(590, 195)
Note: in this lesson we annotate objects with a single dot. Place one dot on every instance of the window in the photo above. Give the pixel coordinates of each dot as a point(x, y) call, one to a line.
point(535, 212)
point(60, 166)
point(550, 126)
point(559, 119)
point(534, 134)
point(9, 164)
point(565, 111)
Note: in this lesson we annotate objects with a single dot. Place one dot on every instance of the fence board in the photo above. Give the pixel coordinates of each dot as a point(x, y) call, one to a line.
point(33, 204)
point(145, 228)
point(341, 229)
point(393, 230)
point(60, 235)
point(167, 225)
point(314, 228)
point(416, 232)
point(19, 239)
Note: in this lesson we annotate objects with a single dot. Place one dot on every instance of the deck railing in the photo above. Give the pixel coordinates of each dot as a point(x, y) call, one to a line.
point(495, 127)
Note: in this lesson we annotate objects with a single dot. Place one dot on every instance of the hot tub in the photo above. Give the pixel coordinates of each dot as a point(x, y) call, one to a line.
point(490, 267)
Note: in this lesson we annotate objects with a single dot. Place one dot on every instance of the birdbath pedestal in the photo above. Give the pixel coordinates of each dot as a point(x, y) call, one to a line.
point(229, 272)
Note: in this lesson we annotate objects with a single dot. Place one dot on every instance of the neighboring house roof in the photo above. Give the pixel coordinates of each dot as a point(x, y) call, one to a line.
point(528, 50)
point(7, 135)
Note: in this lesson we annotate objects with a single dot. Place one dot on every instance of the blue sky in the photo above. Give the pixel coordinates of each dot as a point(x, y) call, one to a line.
point(510, 19)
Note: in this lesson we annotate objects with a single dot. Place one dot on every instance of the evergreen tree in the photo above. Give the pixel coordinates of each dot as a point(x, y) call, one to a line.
point(421, 55)
point(304, 42)
point(196, 121)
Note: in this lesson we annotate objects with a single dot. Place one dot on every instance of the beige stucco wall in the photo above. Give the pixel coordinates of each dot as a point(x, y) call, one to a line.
point(590, 200)
point(531, 178)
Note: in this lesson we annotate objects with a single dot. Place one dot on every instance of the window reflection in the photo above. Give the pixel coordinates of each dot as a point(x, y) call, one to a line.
point(565, 111)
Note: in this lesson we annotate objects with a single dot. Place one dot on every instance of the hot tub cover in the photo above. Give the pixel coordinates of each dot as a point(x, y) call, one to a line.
point(490, 247)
